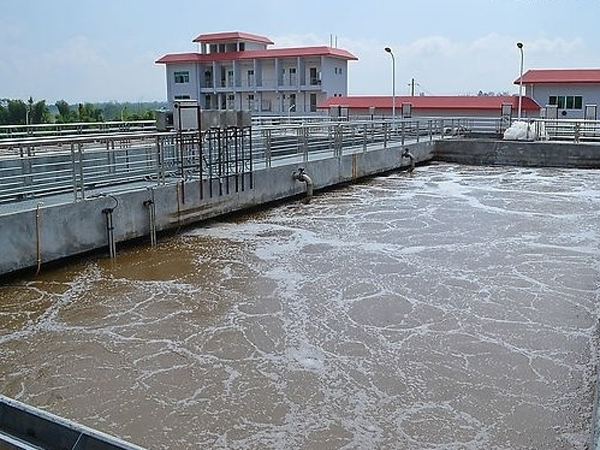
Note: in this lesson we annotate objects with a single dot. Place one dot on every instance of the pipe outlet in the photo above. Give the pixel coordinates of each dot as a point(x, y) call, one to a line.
point(301, 175)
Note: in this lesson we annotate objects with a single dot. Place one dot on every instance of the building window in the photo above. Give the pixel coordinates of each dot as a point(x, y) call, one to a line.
point(314, 76)
point(208, 79)
point(207, 102)
point(242, 46)
point(566, 101)
point(182, 97)
point(293, 76)
point(251, 78)
point(251, 105)
point(313, 102)
point(182, 77)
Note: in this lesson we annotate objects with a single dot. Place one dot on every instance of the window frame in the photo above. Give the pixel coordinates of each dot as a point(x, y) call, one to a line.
point(181, 76)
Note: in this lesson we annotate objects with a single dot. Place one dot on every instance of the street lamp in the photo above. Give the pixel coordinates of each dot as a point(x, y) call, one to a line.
point(389, 50)
point(520, 46)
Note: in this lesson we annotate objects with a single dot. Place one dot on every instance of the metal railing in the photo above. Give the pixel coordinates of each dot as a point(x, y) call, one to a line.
point(34, 167)
point(574, 130)
point(69, 129)
point(85, 164)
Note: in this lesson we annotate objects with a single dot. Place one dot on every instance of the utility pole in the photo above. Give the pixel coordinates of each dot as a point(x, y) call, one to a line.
point(412, 87)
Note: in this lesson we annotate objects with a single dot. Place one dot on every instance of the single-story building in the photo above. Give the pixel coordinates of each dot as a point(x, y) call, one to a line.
point(564, 93)
point(431, 106)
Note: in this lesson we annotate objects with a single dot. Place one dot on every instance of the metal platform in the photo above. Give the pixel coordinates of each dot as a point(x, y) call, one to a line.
point(25, 427)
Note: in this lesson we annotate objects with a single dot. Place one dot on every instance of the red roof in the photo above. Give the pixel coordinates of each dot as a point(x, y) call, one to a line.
point(560, 76)
point(256, 54)
point(431, 102)
point(232, 36)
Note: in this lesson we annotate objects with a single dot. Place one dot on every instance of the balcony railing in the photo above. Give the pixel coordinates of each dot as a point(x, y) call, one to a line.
point(264, 84)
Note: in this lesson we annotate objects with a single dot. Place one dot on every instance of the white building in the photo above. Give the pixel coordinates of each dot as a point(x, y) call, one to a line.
point(236, 70)
point(566, 93)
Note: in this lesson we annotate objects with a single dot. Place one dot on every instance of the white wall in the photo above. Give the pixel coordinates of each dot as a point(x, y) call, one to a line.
point(589, 92)
point(175, 89)
point(334, 76)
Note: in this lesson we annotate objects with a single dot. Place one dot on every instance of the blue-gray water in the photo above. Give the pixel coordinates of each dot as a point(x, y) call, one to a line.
point(454, 309)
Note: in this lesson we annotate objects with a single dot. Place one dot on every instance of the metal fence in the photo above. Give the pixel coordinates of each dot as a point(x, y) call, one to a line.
point(10, 132)
point(34, 167)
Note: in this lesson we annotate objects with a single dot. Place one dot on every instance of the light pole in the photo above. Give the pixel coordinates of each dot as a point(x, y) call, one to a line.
point(389, 50)
point(520, 46)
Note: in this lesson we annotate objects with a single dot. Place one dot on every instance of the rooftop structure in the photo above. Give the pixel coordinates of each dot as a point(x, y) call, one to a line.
point(238, 70)
point(561, 76)
point(433, 105)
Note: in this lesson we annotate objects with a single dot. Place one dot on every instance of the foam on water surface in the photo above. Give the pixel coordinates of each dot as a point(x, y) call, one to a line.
point(456, 308)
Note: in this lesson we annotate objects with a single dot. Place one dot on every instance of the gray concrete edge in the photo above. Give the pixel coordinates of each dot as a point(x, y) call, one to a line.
point(75, 228)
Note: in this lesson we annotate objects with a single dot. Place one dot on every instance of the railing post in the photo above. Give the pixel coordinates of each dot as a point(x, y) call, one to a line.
point(364, 133)
point(403, 132)
point(74, 172)
point(160, 170)
point(81, 180)
point(337, 150)
point(430, 125)
point(268, 148)
point(385, 128)
point(304, 142)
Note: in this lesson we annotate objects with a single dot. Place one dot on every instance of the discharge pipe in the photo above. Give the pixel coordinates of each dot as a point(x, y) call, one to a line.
point(152, 217)
point(301, 175)
point(38, 234)
point(110, 228)
point(408, 154)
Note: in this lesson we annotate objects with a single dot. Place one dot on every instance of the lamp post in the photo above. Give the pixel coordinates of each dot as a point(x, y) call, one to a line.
point(520, 47)
point(389, 50)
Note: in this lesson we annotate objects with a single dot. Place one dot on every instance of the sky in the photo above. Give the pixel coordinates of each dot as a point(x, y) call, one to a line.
point(105, 50)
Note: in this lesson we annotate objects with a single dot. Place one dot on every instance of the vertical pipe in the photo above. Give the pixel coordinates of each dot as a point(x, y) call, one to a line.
point(110, 235)
point(38, 234)
point(150, 204)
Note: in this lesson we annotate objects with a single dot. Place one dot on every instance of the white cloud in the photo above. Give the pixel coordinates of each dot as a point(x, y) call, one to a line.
point(299, 40)
point(445, 66)
point(77, 53)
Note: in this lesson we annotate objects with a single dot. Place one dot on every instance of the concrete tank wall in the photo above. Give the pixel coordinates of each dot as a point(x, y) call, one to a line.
point(518, 153)
point(74, 228)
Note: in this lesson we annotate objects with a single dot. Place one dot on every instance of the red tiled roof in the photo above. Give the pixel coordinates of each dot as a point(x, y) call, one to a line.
point(431, 102)
point(232, 36)
point(560, 76)
point(258, 54)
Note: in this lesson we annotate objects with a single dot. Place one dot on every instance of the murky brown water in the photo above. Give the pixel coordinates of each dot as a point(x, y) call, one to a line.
point(455, 309)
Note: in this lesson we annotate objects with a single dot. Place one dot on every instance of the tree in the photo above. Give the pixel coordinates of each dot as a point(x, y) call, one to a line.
point(16, 112)
point(38, 111)
point(65, 115)
point(87, 112)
